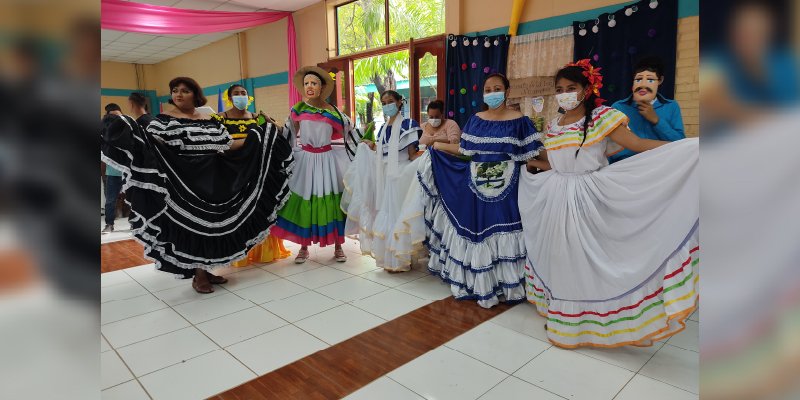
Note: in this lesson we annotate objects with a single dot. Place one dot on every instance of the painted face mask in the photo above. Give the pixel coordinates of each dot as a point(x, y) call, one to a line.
point(645, 86)
point(240, 102)
point(568, 101)
point(494, 99)
point(390, 110)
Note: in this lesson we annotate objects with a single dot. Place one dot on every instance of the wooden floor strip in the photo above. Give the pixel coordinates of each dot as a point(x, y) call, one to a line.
point(350, 365)
point(120, 255)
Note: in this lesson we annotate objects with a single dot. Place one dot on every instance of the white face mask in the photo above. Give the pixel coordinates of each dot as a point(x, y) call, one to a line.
point(435, 122)
point(568, 101)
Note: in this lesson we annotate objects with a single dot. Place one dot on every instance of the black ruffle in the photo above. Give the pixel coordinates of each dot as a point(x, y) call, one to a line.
point(199, 210)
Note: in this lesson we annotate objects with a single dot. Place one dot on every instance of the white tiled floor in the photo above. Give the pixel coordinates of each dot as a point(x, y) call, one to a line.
point(162, 340)
point(509, 358)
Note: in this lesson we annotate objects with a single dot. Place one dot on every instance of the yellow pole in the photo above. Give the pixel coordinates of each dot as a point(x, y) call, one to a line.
point(516, 13)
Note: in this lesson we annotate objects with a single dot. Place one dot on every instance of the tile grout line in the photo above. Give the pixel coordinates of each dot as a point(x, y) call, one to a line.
point(664, 344)
point(200, 355)
point(624, 386)
point(508, 374)
point(550, 346)
point(191, 325)
point(390, 378)
point(125, 363)
point(458, 351)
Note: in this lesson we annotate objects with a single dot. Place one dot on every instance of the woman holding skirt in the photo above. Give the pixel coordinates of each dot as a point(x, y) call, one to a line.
point(198, 199)
point(473, 228)
point(238, 121)
point(377, 182)
point(320, 134)
point(612, 250)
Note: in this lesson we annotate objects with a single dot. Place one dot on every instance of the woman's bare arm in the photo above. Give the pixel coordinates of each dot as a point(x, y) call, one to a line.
point(627, 139)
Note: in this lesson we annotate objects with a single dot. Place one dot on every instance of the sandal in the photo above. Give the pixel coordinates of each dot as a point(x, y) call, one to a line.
point(302, 256)
point(216, 280)
point(204, 288)
point(338, 254)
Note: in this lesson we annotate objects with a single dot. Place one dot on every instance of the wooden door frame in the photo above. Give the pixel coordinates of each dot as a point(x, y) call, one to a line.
point(436, 46)
point(416, 49)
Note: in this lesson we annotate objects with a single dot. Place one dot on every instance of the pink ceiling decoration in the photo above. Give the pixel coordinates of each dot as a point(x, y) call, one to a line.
point(128, 16)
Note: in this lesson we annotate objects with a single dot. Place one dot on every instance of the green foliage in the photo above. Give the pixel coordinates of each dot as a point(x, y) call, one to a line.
point(369, 132)
point(415, 19)
point(361, 27)
point(361, 24)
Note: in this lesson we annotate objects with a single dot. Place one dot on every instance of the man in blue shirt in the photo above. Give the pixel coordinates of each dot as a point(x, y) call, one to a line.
point(652, 116)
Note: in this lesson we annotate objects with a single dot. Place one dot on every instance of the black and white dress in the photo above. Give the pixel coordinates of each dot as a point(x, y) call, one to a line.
point(193, 205)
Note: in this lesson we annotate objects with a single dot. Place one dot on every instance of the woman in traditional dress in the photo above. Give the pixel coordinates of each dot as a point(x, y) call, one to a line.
point(377, 182)
point(613, 250)
point(199, 199)
point(238, 120)
point(320, 133)
point(473, 228)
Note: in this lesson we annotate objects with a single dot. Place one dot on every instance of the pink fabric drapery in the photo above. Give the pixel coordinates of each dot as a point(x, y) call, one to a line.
point(160, 20)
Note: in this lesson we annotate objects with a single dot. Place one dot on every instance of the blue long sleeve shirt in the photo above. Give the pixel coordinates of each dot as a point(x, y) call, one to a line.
point(668, 128)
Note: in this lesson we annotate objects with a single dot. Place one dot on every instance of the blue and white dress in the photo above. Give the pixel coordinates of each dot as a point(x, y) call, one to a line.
point(375, 187)
point(473, 227)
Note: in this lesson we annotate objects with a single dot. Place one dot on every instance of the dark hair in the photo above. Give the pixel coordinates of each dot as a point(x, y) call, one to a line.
point(502, 77)
point(234, 86)
point(138, 99)
point(322, 81)
point(650, 63)
point(199, 99)
point(575, 74)
point(112, 107)
point(396, 96)
point(436, 105)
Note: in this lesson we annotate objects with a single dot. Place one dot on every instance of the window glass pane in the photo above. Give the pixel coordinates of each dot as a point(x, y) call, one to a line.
point(427, 84)
point(360, 26)
point(415, 19)
point(372, 76)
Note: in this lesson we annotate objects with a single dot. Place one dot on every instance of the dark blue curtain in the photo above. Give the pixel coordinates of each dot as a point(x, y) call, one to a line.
point(470, 59)
point(646, 31)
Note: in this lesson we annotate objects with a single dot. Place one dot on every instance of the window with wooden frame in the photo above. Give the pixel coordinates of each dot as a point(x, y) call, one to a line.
point(387, 44)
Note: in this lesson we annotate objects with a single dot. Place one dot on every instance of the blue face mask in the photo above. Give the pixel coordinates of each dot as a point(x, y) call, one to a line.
point(390, 110)
point(240, 102)
point(494, 99)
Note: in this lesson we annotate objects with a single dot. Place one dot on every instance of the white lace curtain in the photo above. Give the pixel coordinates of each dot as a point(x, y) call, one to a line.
point(539, 54)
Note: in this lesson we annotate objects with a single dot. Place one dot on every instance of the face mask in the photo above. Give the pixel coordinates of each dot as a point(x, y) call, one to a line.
point(390, 110)
point(435, 122)
point(494, 99)
point(568, 101)
point(240, 102)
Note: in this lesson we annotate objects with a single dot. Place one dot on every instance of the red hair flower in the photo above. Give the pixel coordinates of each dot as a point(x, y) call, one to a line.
point(593, 75)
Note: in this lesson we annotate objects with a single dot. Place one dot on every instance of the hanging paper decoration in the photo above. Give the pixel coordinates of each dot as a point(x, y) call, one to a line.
point(638, 30)
point(538, 104)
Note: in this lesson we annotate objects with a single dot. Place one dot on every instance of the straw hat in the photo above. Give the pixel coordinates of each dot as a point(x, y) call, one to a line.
point(327, 89)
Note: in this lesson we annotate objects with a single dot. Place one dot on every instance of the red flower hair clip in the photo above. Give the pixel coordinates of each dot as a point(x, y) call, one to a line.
point(593, 75)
